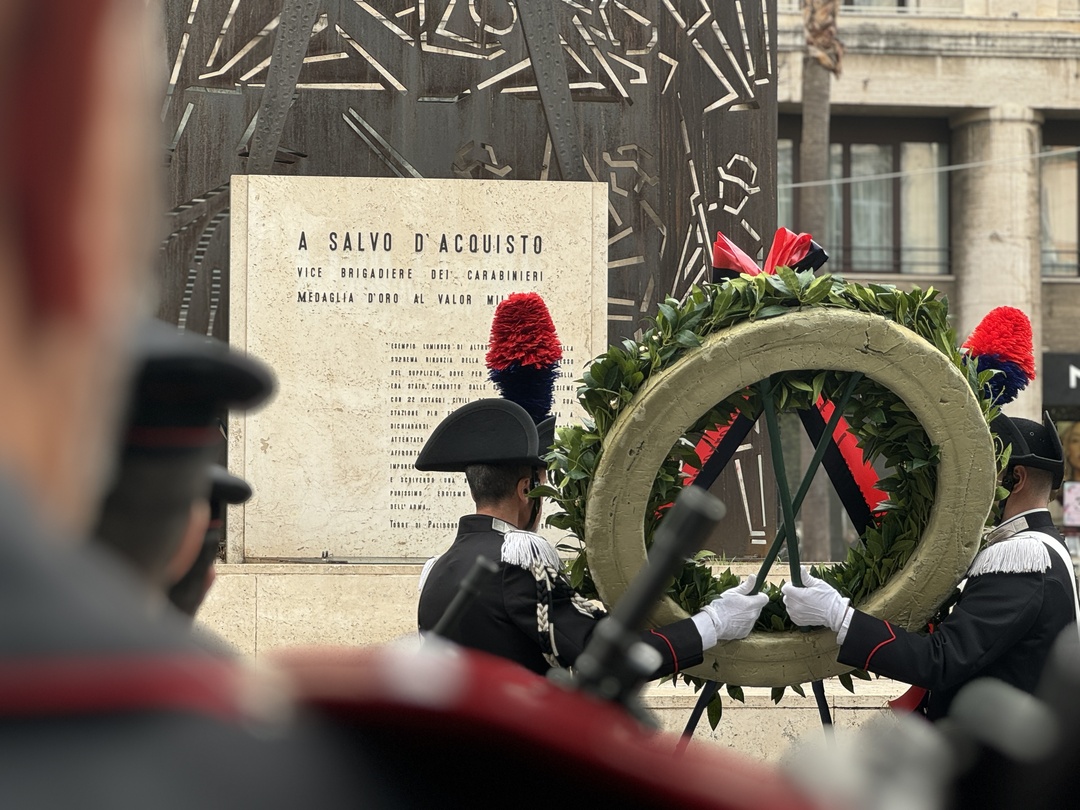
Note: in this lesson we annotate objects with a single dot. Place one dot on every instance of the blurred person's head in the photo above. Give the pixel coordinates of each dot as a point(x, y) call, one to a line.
point(78, 217)
point(191, 589)
point(156, 510)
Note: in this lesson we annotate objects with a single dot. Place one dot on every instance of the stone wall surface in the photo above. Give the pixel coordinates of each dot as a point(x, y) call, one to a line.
point(924, 63)
point(765, 730)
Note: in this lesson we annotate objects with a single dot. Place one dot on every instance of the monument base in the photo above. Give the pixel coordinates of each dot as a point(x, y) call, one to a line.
point(258, 607)
point(765, 730)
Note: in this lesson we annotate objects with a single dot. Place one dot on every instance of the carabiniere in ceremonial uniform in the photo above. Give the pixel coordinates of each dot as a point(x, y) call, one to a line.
point(1018, 596)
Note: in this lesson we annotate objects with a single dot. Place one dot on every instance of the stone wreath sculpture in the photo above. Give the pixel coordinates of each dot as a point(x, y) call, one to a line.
point(761, 345)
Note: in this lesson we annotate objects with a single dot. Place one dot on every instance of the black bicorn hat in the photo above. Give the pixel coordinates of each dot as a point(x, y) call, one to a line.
point(545, 433)
point(1033, 444)
point(489, 431)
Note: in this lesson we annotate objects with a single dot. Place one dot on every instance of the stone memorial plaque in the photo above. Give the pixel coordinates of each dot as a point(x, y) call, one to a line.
point(372, 299)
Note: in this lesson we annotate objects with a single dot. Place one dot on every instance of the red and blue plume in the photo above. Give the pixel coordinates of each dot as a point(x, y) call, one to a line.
point(1002, 342)
point(524, 353)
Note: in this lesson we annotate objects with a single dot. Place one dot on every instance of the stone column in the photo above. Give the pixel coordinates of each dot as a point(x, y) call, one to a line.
point(995, 223)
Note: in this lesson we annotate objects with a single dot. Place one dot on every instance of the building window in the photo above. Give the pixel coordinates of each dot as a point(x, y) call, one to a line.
point(1059, 184)
point(890, 213)
point(924, 207)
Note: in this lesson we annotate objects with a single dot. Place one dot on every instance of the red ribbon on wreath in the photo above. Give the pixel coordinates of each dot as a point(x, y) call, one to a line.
point(799, 252)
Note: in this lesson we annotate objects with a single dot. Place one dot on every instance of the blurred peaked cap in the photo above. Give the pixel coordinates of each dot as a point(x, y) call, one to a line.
point(181, 382)
point(226, 487)
point(183, 379)
point(1033, 444)
point(488, 431)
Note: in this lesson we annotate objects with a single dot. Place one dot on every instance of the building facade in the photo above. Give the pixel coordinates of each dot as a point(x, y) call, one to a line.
point(955, 133)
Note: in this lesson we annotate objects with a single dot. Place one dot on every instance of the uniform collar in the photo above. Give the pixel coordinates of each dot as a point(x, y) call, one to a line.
point(1031, 519)
point(484, 523)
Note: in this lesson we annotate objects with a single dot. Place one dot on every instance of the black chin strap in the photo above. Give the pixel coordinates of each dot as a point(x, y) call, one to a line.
point(1008, 481)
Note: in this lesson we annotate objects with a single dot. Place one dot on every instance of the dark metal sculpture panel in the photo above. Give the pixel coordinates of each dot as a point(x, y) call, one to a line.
point(672, 103)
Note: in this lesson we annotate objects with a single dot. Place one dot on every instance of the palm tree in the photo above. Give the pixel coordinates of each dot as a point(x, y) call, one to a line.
point(820, 62)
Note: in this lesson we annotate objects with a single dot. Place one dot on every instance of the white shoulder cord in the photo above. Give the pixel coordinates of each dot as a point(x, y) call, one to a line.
point(1063, 554)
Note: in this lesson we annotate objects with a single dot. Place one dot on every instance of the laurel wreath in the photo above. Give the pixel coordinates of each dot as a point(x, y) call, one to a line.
point(884, 426)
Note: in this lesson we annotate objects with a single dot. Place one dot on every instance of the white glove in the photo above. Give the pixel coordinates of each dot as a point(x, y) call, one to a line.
point(731, 615)
point(816, 603)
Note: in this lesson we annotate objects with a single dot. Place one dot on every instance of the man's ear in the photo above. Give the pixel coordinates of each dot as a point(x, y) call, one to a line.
point(1022, 477)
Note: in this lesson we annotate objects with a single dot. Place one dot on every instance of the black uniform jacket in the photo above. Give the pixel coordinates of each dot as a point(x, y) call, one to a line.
point(107, 702)
point(1019, 596)
point(503, 619)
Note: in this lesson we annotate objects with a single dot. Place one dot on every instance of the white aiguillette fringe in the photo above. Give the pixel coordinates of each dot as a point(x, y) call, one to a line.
point(1021, 554)
point(525, 550)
